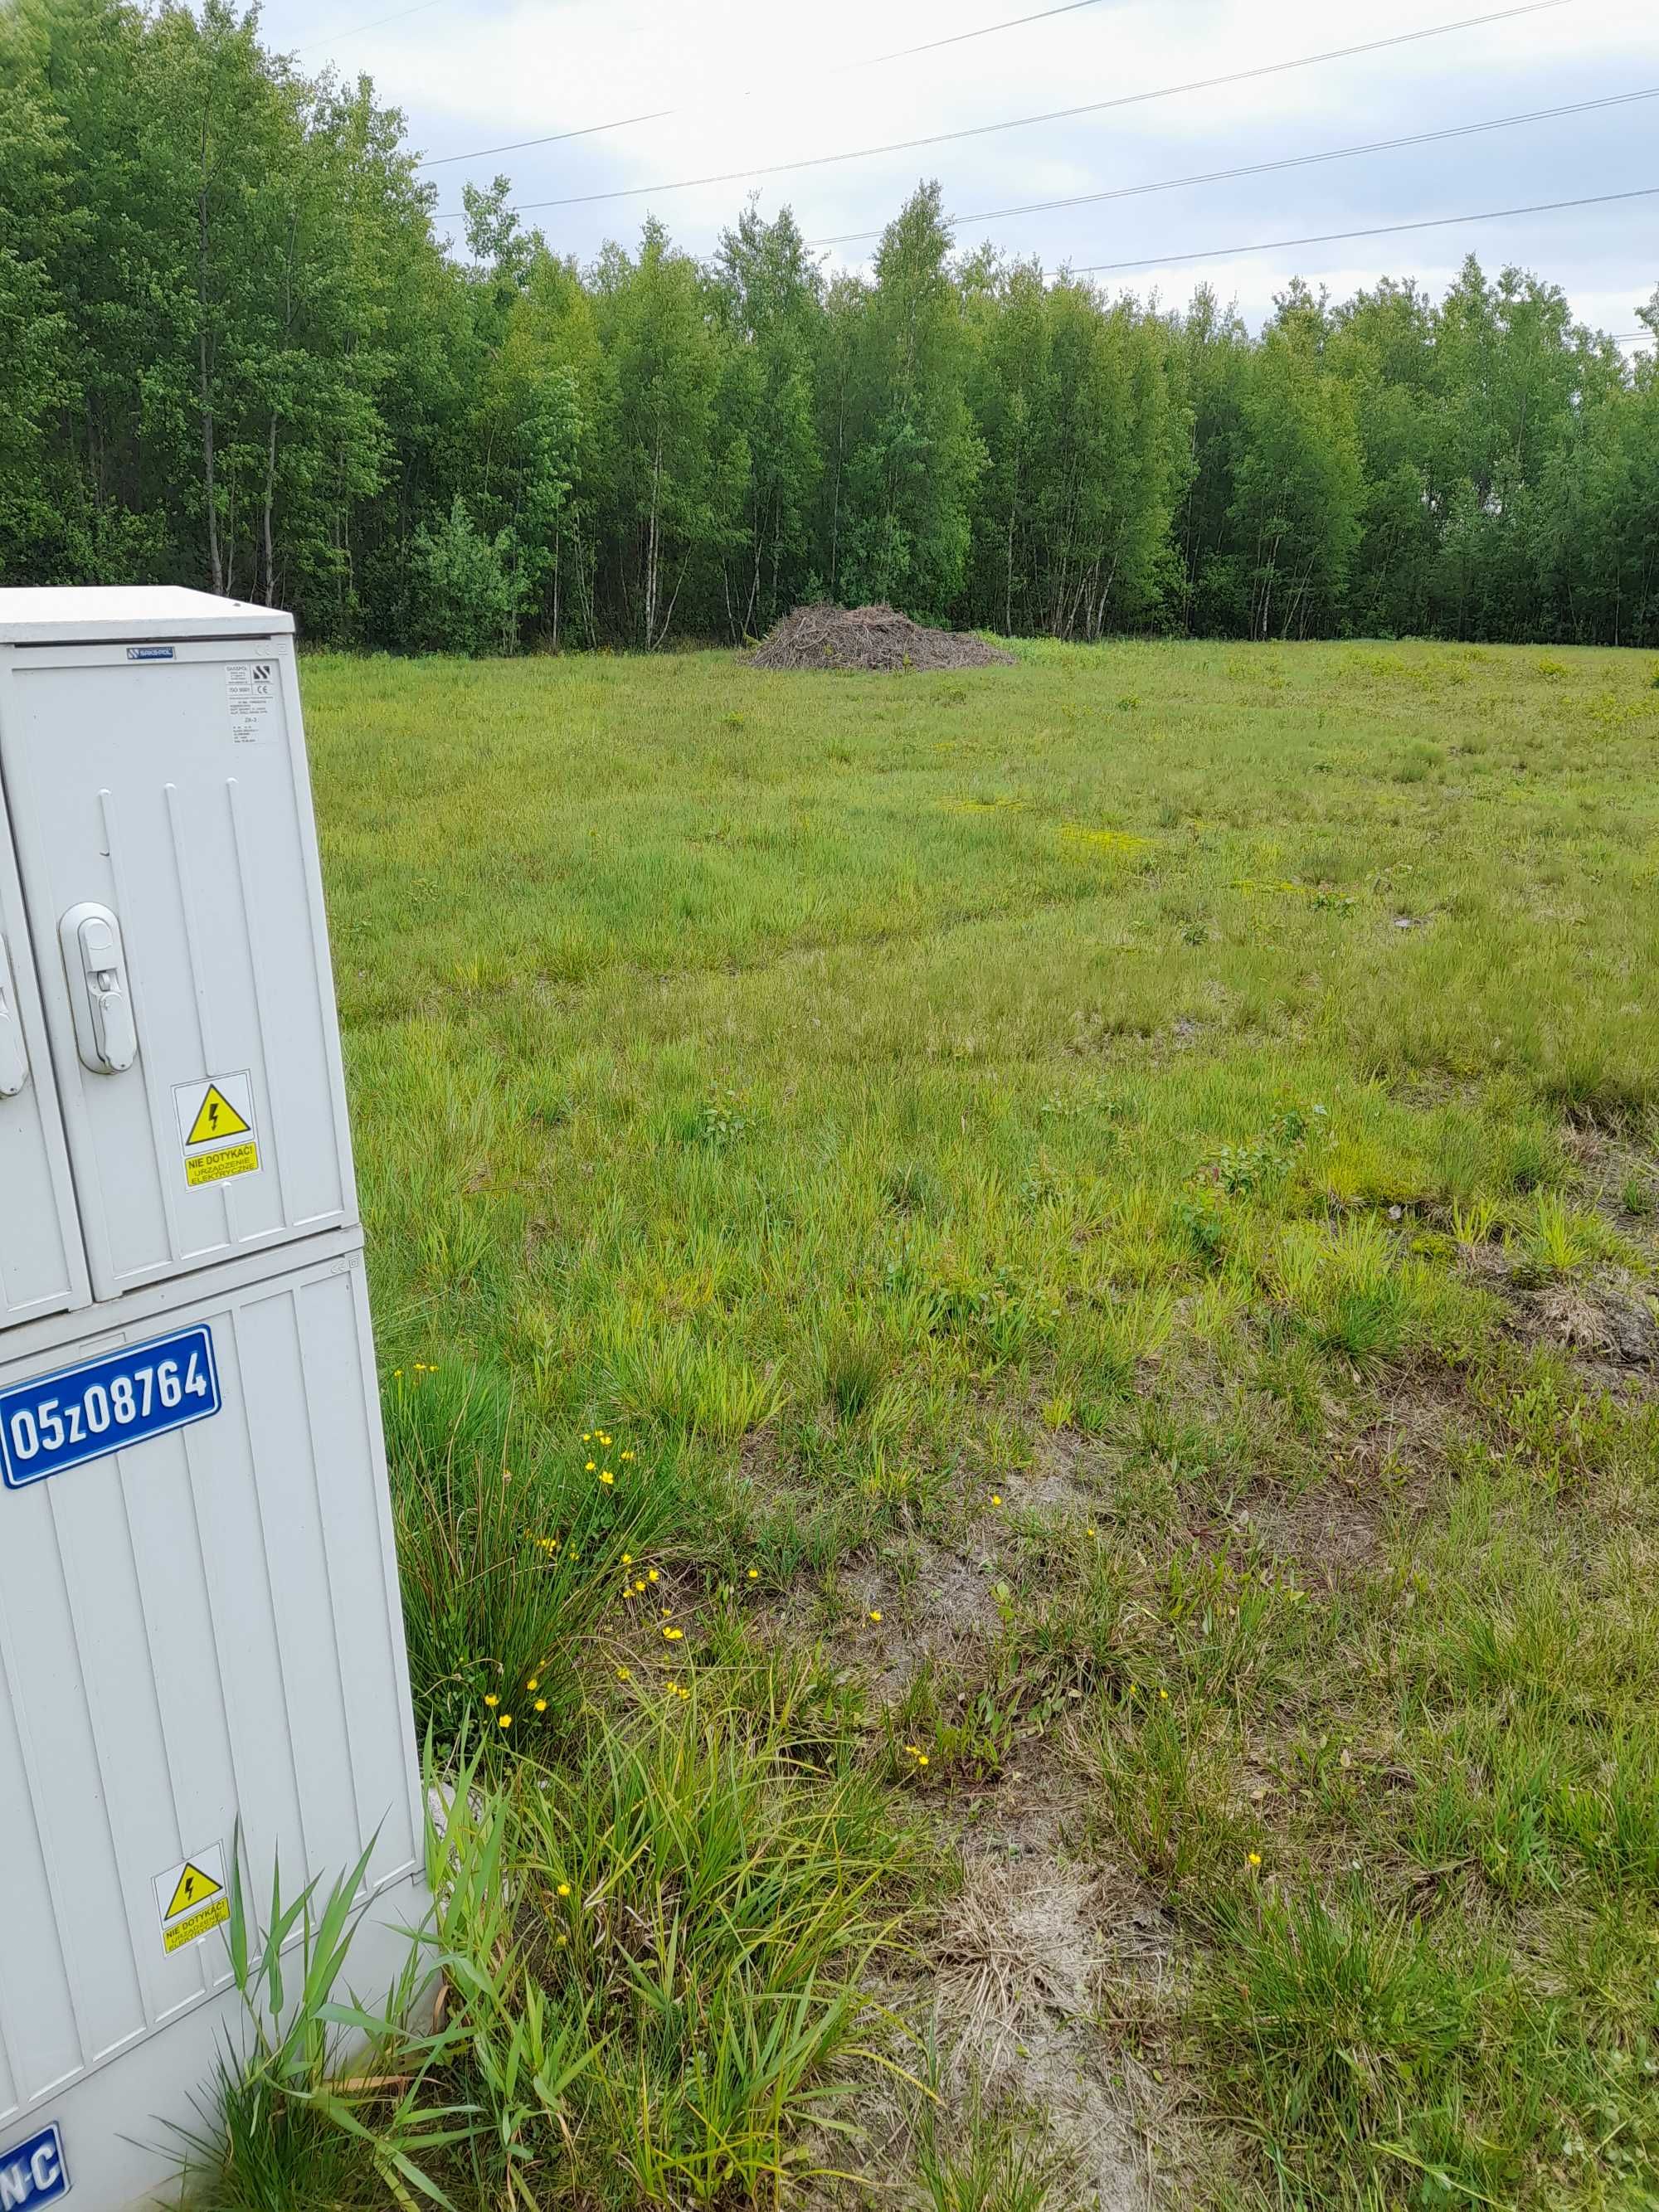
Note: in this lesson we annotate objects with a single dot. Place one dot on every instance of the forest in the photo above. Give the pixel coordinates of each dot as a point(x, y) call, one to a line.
point(240, 352)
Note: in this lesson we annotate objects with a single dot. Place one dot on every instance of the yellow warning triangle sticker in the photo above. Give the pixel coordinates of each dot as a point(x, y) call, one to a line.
point(217, 1117)
point(193, 1888)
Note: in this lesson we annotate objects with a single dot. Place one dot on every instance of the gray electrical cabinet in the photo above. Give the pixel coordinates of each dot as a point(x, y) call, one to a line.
point(201, 1644)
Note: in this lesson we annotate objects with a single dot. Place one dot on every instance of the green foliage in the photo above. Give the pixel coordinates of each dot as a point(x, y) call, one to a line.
point(914, 454)
point(280, 2128)
point(511, 1551)
point(464, 593)
point(1345, 2020)
point(666, 1993)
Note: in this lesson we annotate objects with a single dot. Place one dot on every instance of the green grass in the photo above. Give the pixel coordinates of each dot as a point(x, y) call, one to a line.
point(1085, 1192)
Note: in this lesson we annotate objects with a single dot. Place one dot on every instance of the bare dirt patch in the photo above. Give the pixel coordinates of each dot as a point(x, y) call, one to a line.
point(1335, 1529)
point(1067, 1475)
point(877, 638)
point(1034, 1959)
point(1607, 1316)
point(1021, 1970)
point(1330, 1533)
point(1610, 1319)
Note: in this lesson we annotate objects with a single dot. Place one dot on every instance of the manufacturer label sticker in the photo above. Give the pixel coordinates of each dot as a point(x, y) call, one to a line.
point(216, 1132)
point(149, 653)
point(34, 2172)
point(251, 688)
point(193, 1899)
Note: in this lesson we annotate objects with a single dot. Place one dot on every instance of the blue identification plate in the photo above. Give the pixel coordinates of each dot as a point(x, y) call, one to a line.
point(80, 1414)
point(34, 2172)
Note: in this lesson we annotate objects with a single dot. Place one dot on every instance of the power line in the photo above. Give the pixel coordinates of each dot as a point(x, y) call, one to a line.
point(1378, 230)
point(962, 38)
point(1264, 168)
point(379, 23)
point(842, 69)
point(1023, 122)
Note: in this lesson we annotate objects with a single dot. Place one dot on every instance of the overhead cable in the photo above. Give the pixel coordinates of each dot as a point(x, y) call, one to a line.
point(1013, 122)
point(1265, 168)
point(422, 8)
point(1377, 230)
point(840, 68)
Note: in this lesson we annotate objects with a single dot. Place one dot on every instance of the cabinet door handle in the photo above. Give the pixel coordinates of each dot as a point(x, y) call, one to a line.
point(96, 963)
point(14, 1047)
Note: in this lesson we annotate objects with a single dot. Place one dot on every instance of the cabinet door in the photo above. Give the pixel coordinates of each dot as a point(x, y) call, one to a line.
point(162, 813)
point(42, 1266)
point(201, 1649)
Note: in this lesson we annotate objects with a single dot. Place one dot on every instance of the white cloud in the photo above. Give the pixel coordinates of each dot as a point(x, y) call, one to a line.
point(755, 83)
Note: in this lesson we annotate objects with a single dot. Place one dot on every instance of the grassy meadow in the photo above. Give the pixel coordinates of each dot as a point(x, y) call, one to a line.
point(1016, 1319)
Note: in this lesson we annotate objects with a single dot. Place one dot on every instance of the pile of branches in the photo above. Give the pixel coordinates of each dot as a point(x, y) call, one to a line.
point(825, 636)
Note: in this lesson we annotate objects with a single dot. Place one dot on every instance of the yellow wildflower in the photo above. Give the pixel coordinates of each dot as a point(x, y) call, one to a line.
point(505, 1721)
point(564, 1889)
point(1256, 1858)
point(490, 1698)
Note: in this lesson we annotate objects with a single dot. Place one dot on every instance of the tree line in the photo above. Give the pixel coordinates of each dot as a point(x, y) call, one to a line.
point(236, 351)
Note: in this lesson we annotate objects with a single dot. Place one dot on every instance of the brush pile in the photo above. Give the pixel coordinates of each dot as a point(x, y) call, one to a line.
point(879, 638)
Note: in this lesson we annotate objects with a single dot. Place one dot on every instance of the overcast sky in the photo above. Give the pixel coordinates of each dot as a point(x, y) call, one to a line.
point(754, 84)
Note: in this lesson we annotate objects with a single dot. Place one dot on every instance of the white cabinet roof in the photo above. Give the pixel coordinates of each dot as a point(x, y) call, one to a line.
point(102, 613)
